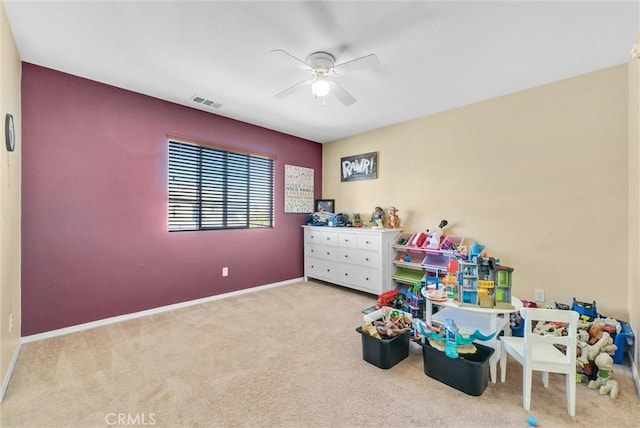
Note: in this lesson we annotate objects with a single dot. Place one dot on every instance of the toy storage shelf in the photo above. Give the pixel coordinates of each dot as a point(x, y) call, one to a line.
point(404, 243)
point(424, 261)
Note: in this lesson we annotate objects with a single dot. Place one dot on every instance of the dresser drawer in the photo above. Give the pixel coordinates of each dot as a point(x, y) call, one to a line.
point(364, 258)
point(369, 242)
point(322, 252)
point(321, 237)
point(359, 277)
point(349, 240)
point(321, 269)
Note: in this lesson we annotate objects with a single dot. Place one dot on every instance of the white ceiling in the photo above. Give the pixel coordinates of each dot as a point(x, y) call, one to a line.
point(434, 56)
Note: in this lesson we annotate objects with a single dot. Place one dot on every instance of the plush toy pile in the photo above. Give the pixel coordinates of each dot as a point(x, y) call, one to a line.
point(595, 350)
point(594, 354)
point(391, 325)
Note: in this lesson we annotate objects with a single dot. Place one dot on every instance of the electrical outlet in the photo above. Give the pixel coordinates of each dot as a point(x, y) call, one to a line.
point(225, 271)
point(538, 295)
point(11, 322)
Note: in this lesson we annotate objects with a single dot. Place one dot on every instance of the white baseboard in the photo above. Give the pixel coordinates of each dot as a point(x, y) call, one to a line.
point(7, 375)
point(145, 313)
point(634, 372)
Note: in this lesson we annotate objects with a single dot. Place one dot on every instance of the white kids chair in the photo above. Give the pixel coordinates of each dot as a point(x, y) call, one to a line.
point(538, 352)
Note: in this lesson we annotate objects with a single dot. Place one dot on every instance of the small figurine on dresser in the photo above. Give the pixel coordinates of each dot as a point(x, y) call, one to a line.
point(377, 218)
point(394, 221)
point(357, 221)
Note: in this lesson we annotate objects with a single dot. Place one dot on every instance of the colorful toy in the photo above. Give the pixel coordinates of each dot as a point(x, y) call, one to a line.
point(450, 332)
point(475, 249)
point(377, 218)
point(585, 309)
point(357, 221)
point(484, 282)
point(439, 334)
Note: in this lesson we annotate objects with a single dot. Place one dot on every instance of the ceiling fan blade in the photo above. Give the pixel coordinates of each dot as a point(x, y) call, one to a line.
point(295, 88)
point(341, 94)
point(368, 61)
point(300, 62)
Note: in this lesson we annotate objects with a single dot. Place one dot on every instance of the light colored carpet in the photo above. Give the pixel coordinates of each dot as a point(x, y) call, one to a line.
point(282, 357)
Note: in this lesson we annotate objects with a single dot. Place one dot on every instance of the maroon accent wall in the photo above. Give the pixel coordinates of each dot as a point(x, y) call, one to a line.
point(94, 205)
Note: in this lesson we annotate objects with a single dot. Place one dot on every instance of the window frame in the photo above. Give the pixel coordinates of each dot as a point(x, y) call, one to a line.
point(216, 187)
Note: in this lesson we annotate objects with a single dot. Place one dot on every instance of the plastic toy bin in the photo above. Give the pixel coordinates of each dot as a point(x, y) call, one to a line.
point(384, 353)
point(621, 340)
point(468, 373)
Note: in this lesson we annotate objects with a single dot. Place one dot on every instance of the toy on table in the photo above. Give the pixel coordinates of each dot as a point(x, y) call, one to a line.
point(475, 249)
point(604, 383)
point(394, 220)
point(433, 289)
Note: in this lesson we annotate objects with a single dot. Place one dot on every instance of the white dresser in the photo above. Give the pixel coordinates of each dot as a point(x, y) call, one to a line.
point(358, 258)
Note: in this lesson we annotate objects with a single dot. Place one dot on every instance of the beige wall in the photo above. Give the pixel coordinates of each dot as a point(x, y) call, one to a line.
point(9, 200)
point(540, 177)
point(634, 199)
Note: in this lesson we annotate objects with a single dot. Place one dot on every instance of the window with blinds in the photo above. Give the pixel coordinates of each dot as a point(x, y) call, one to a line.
point(218, 189)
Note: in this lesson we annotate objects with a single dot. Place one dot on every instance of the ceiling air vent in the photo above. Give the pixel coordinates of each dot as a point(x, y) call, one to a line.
point(205, 102)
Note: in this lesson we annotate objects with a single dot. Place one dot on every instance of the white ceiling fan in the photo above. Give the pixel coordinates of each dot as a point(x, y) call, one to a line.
point(323, 69)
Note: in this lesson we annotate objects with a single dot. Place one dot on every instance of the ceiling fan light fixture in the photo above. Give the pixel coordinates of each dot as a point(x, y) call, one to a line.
point(320, 87)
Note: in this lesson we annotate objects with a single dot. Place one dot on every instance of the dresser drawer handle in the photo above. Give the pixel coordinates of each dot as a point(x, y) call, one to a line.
point(346, 256)
point(328, 253)
point(367, 258)
point(367, 279)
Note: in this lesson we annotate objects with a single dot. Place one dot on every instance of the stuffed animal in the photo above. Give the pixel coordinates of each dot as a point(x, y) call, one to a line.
point(605, 382)
point(599, 341)
point(394, 221)
point(357, 221)
point(435, 234)
point(377, 218)
point(547, 328)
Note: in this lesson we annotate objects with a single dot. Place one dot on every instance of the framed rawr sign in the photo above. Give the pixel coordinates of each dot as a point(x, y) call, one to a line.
point(359, 167)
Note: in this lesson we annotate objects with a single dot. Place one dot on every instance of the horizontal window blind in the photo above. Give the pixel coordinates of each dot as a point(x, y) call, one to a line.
point(218, 189)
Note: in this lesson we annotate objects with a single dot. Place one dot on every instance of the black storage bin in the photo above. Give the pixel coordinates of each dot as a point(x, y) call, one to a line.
point(468, 373)
point(384, 353)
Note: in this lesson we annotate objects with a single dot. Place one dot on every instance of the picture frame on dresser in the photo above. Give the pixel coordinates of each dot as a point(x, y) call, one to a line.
point(325, 205)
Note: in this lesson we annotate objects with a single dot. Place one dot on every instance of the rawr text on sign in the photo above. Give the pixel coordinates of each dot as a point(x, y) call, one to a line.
point(359, 167)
